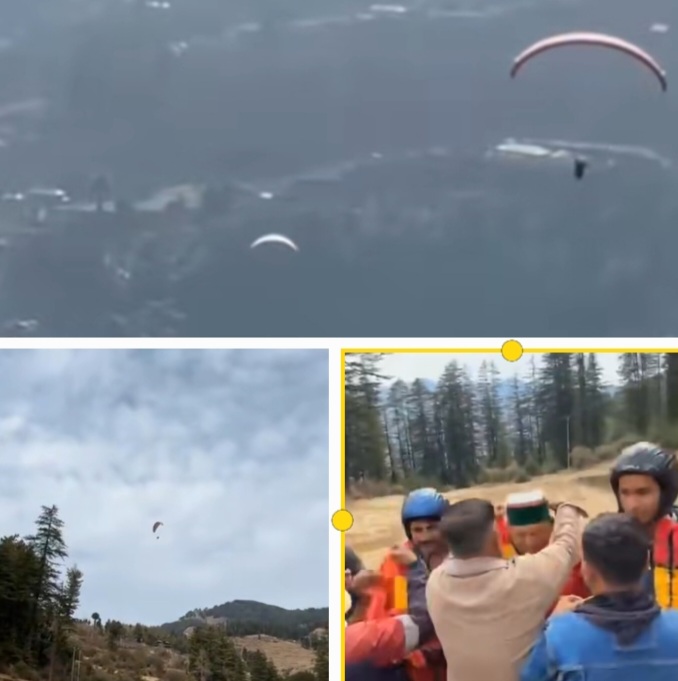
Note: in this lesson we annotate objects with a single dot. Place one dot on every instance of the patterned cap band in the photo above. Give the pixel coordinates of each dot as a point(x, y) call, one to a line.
point(528, 515)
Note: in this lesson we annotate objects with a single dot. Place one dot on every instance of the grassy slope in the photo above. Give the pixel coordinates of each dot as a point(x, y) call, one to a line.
point(135, 661)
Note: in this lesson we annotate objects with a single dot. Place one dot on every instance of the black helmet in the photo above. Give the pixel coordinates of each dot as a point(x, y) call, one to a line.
point(646, 458)
point(354, 565)
point(352, 561)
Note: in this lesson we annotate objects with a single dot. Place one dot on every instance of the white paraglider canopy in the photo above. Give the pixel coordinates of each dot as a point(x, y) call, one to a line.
point(275, 239)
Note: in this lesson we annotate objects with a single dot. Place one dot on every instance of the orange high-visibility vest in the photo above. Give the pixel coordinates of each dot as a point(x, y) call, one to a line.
point(507, 549)
point(665, 563)
point(389, 598)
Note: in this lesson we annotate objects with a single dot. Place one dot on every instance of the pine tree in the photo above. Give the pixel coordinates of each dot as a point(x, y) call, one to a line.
point(364, 433)
point(396, 415)
point(448, 431)
point(557, 395)
point(635, 373)
point(491, 417)
point(69, 595)
point(19, 572)
point(48, 543)
point(596, 402)
point(322, 663)
point(523, 444)
point(671, 364)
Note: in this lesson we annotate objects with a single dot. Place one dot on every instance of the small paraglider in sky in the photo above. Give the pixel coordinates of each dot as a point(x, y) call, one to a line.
point(275, 239)
point(580, 166)
point(156, 525)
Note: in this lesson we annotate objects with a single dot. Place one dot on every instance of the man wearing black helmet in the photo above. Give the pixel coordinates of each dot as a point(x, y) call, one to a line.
point(644, 479)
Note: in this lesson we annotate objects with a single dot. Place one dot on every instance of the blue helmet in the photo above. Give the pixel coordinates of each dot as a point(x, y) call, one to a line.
point(426, 502)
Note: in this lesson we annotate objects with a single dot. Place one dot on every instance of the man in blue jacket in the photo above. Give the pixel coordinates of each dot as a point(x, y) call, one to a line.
point(620, 633)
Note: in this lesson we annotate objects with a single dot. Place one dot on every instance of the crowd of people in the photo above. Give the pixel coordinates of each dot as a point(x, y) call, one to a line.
point(533, 590)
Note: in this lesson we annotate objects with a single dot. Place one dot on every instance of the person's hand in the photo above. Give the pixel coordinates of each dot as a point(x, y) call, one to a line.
point(402, 555)
point(363, 580)
point(567, 604)
point(555, 506)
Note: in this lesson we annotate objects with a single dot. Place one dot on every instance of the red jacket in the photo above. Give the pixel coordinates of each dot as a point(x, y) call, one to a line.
point(389, 600)
point(380, 642)
point(575, 585)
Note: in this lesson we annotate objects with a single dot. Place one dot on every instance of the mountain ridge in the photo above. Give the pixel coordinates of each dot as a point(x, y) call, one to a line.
point(249, 617)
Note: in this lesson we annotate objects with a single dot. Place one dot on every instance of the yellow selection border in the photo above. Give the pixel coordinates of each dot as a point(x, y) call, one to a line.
point(511, 350)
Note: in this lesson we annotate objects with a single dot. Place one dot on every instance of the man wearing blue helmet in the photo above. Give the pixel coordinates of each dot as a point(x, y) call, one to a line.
point(421, 514)
point(405, 570)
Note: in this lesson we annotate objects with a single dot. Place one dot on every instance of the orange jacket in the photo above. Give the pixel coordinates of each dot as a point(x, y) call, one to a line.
point(390, 599)
point(377, 641)
point(665, 563)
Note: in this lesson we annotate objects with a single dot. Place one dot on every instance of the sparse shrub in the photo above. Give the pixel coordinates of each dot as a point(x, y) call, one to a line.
point(666, 435)
point(532, 467)
point(549, 466)
point(139, 660)
point(175, 675)
point(102, 675)
point(606, 452)
point(491, 476)
point(582, 457)
point(369, 489)
point(156, 664)
point(22, 671)
point(417, 481)
point(627, 440)
point(512, 473)
point(522, 476)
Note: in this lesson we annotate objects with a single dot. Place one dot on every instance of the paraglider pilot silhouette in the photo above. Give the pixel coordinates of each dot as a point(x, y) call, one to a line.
point(580, 166)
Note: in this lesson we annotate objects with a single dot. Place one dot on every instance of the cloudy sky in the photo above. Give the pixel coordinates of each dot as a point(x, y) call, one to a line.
point(408, 366)
point(228, 448)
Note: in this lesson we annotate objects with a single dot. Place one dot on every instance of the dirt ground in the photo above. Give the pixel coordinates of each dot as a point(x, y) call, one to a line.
point(377, 521)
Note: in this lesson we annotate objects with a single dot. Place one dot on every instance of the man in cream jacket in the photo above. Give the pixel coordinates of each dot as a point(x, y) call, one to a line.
point(488, 611)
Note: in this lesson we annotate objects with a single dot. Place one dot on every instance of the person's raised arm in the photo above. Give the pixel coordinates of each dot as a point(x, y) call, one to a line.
point(549, 570)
